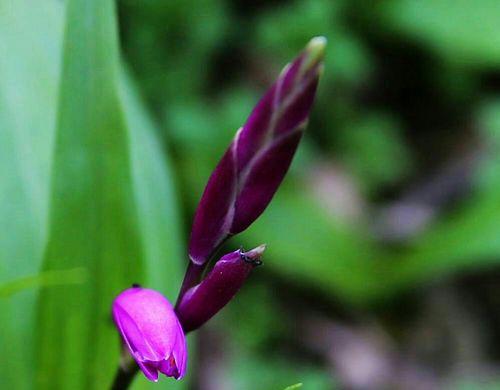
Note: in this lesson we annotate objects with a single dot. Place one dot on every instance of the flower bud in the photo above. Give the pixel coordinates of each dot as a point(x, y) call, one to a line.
point(251, 170)
point(151, 331)
point(203, 301)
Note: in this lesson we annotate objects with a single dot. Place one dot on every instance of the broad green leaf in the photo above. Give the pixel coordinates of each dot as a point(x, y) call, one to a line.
point(157, 204)
point(93, 221)
point(159, 219)
point(43, 279)
point(108, 157)
point(29, 67)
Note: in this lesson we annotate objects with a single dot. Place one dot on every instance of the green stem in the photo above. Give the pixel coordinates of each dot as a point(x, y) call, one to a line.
point(125, 373)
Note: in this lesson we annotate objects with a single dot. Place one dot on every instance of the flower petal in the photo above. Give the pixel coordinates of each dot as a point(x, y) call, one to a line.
point(150, 369)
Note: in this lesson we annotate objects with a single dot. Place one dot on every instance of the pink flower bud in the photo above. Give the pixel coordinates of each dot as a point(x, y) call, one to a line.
point(151, 331)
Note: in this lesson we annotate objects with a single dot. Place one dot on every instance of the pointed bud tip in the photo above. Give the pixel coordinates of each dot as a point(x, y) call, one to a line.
point(255, 253)
point(316, 48)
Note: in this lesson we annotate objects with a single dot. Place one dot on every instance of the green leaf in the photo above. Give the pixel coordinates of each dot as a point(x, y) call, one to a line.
point(159, 220)
point(43, 279)
point(93, 221)
point(29, 69)
point(113, 207)
point(157, 204)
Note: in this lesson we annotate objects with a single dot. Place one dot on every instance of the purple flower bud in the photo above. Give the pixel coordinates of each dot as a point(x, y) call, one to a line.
point(151, 331)
point(203, 301)
point(251, 170)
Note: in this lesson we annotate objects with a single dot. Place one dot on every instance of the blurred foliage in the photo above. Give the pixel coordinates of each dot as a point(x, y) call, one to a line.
point(463, 32)
point(104, 156)
point(295, 386)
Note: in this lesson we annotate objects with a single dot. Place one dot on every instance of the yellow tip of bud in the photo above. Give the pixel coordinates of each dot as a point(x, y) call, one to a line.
point(315, 52)
point(317, 45)
point(256, 252)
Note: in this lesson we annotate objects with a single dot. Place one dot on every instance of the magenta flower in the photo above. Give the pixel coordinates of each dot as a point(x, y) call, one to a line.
point(251, 170)
point(151, 331)
point(202, 302)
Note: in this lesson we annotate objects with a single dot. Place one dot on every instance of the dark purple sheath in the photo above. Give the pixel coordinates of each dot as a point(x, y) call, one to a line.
point(251, 170)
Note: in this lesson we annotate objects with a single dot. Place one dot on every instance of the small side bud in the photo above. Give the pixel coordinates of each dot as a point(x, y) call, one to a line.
point(203, 301)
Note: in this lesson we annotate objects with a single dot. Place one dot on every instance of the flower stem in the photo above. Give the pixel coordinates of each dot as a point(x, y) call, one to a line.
point(125, 373)
point(191, 278)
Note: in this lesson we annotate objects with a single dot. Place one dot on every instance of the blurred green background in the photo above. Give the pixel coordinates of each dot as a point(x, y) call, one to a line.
point(383, 261)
